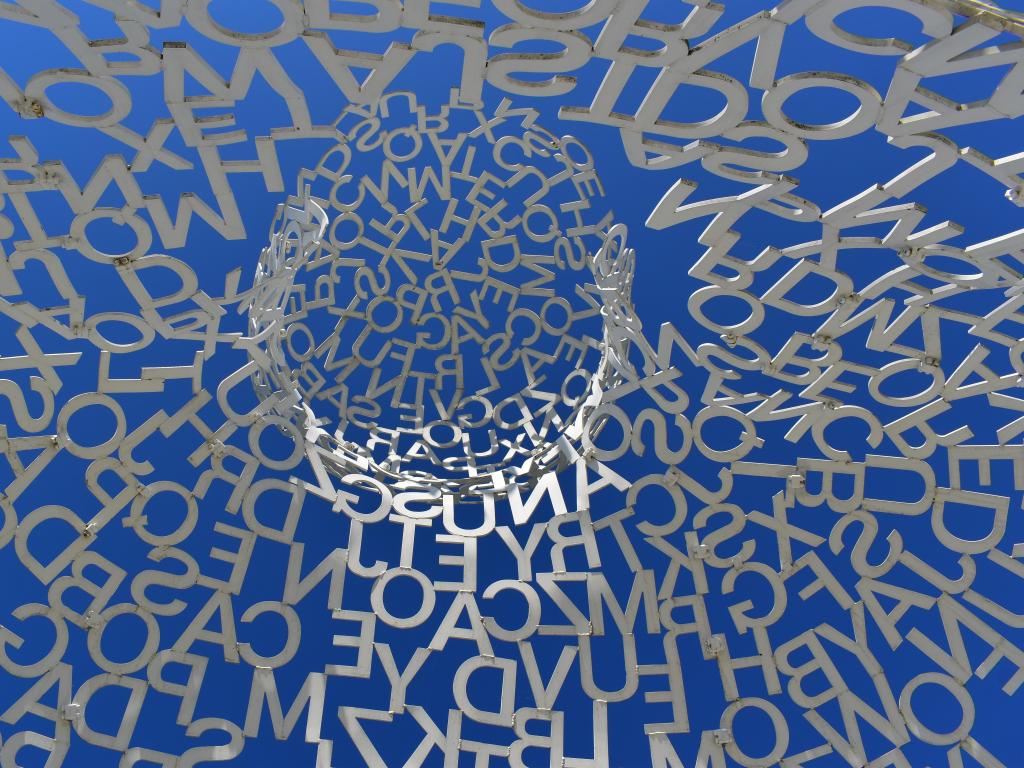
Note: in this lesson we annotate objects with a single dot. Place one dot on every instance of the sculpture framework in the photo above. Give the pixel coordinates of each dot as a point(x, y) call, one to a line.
point(465, 292)
point(171, 479)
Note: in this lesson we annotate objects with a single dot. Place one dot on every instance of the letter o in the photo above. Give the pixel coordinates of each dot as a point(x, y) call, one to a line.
point(589, 13)
point(915, 725)
point(142, 231)
point(138, 520)
point(411, 133)
point(337, 221)
point(929, 393)
point(748, 437)
point(146, 332)
point(77, 403)
point(426, 604)
point(700, 297)
point(778, 750)
point(198, 14)
point(120, 97)
point(149, 648)
point(286, 426)
point(856, 122)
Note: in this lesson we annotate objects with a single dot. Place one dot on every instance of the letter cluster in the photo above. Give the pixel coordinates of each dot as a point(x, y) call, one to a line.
point(442, 471)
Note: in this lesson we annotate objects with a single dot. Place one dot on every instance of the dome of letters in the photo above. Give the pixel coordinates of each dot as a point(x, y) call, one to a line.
point(402, 481)
point(446, 299)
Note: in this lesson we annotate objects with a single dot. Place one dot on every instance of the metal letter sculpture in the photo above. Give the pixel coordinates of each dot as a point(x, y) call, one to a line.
point(412, 484)
point(435, 330)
